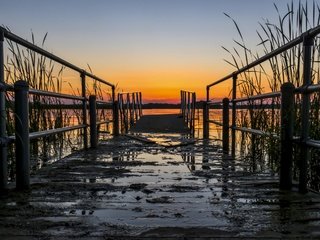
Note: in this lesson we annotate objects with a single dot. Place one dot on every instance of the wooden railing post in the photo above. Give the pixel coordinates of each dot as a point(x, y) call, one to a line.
point(121, 112)
point(132, 109)
point(181, 104)
point(127, 111)
point(115, 118)
point(136, 109)
point(286, 135)
point(21, 104)
point(225, 127)
point(305, 108)
point(140, 104)
point(93, 121)
point(3, 131)
point(234, 115)
point(205, 120)
point(193, 112)
point(84, 109)
point(188, 109)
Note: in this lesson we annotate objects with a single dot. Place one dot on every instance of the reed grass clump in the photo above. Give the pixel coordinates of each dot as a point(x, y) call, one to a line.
point(41, 74)
point(45, 112)
point(269, 76)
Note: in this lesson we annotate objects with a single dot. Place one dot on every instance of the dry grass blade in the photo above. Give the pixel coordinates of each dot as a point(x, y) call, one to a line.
point(236, 25)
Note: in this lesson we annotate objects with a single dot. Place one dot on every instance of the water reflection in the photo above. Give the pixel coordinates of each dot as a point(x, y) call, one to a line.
point(260, 153)
point(189, 159)
point(121, 157)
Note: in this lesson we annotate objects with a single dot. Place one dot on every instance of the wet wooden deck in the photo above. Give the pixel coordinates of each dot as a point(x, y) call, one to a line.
point(164, 123)
point(126, 189)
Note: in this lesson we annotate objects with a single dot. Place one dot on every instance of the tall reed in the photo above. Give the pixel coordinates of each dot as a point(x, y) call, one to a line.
point(46, 113)
point(41, 73)
point(286, 67)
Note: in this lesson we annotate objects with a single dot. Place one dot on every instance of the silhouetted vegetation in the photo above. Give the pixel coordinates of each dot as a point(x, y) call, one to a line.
point(45, 112)
point(268, 77)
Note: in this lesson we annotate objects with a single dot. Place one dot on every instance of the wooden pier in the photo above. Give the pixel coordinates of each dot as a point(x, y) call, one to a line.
point(127, 189)
point(151, 179)
point(164, 123)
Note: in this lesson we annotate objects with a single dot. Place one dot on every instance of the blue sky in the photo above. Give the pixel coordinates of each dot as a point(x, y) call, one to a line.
point(146, 39)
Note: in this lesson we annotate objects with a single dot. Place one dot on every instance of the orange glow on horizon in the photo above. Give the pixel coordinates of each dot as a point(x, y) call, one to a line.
point(164, 86)
point(161, 86)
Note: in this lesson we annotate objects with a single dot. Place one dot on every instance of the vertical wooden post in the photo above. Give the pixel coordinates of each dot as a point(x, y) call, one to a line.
point(113, 94)
point(133, 108)
point(205, 120)
point(225, 127)
point(115, 118)
point(183, 105)
point(120, 107)
point(286, 135)
point(234, 115)
point(305, 107)
point(140, 104)
point(136, 97)
point(181, 102)
point(84, 109)
point(93, 121)
point(3, 131)
point(21, 104)
point(127, 111)
point(194, 100)
point(188, 109)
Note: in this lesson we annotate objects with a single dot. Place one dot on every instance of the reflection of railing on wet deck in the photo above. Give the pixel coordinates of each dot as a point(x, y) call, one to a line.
point(287, 97)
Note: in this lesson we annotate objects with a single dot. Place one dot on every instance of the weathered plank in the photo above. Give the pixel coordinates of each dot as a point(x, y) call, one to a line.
point(165, 123)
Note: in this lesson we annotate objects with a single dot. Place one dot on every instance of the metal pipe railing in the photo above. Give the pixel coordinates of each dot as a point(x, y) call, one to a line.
point(308, 34)
point(47, 133)
point(4, 139)
point(56, 95)
point(11, 36)
point(258, 97)
point(22, 136)
point(286, 136)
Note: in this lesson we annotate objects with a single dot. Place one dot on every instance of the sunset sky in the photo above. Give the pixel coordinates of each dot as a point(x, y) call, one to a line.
point(154, 46)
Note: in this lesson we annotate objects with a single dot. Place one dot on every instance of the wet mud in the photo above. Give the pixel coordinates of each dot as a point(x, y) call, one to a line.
point(128, 189)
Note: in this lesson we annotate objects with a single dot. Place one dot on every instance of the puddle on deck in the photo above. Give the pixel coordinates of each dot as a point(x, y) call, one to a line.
point(128, 188)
